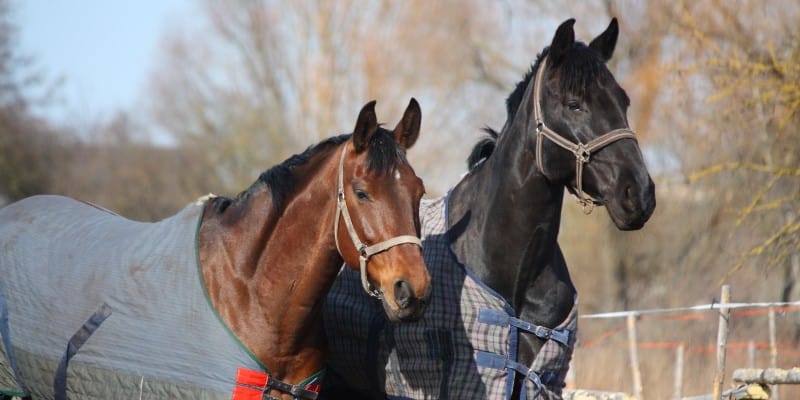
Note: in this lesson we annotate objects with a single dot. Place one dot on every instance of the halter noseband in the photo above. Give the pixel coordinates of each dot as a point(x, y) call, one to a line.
point(581, 151)
point(364, 251)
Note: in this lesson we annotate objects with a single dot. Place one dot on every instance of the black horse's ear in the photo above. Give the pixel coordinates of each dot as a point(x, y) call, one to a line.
point(563, 40)
point(407, 130)
point(607, 41)
point(366, 125)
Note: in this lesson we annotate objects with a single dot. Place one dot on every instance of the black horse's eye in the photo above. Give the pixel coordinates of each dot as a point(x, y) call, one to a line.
point(573, 105)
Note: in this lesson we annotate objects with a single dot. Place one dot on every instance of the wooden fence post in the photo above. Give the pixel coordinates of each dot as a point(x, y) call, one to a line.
point(570, 380)
point(678, 382)
point(773, 350)
point(722, 341)
point(632, 350)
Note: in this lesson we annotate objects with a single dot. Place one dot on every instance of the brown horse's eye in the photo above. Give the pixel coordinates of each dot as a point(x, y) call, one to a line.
point(361, 195)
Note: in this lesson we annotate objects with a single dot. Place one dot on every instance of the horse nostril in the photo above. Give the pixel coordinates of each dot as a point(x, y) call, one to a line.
point(403, 295)
point(631, 198)
point(629, 192)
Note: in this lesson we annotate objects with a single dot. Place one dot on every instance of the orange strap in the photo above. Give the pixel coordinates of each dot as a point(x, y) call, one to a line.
point(255, 385)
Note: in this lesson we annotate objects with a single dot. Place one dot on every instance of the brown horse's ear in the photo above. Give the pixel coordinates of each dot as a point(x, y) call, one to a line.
point(563, 41)
point(366, 125)
point(407, 130)
point(605, 43)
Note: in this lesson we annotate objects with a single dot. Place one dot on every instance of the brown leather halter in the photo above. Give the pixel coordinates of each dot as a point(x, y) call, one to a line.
point(364, 251)
point(581, 151)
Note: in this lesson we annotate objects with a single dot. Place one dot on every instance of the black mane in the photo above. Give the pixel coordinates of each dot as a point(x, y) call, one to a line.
point(383, 156)
point(579, 68)
point(515, 98)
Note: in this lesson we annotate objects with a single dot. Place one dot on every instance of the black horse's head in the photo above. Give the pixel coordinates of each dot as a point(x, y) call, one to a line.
point(580, 127)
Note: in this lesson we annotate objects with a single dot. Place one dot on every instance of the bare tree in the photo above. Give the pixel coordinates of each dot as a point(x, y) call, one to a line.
point(745, 59)
point(269, 78)
point(714, 101)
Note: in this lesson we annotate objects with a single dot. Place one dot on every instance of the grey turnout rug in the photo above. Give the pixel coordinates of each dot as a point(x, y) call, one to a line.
point(463, 348)
point(95, 306)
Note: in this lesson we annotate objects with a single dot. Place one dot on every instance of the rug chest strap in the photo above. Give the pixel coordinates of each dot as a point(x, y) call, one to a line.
point(500, 318)
point(496, 361)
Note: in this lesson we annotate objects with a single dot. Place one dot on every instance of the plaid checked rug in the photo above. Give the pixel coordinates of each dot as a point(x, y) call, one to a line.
point(463, 348)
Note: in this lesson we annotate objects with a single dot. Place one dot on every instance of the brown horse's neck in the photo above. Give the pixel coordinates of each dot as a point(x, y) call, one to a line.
point(267, 271)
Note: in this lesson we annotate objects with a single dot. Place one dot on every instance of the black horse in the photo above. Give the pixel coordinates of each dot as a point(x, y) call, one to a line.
point(566, 128)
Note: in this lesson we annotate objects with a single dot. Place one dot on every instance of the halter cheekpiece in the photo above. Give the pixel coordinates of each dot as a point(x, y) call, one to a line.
point(364, 251)
point(582, 152)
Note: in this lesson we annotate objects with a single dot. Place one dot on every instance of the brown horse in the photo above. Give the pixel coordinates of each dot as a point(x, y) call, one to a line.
point(243, 317)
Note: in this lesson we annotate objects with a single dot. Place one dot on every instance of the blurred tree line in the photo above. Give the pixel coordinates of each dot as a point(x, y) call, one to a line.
point(714, 86)
point(101, 163)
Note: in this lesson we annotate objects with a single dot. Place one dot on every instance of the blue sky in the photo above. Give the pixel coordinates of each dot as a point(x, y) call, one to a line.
point(103, 50)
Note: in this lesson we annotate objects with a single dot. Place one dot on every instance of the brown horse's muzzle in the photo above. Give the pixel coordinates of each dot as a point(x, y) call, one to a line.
point(402, 278)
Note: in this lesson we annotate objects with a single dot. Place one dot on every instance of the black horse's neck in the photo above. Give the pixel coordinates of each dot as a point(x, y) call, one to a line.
point(504, 221)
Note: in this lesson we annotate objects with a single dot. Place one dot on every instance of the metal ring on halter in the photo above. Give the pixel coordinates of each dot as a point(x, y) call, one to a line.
point(587, 205)
point(582, 153)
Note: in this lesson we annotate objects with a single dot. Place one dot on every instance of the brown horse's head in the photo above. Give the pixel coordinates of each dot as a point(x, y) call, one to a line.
point(380, 193)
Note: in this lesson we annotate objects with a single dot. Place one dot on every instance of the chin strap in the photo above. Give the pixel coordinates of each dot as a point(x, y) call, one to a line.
point(364, 251)
point(581, 151)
